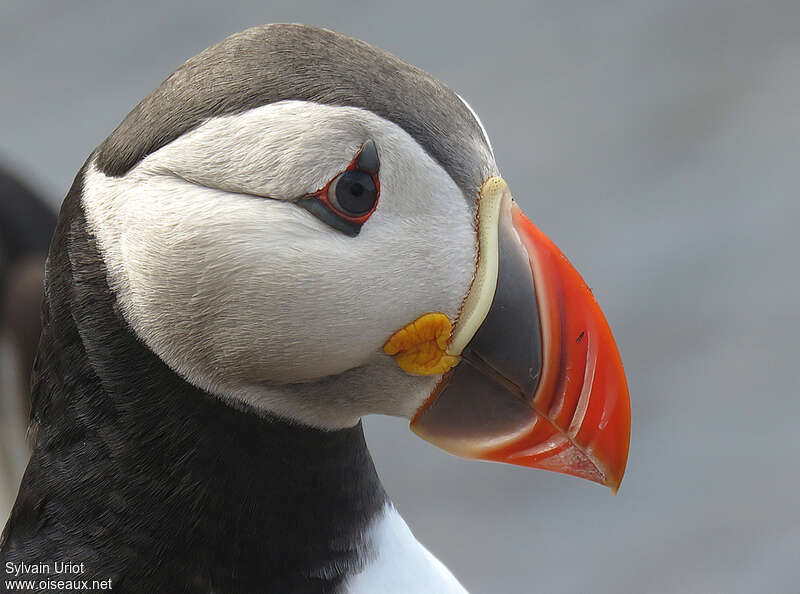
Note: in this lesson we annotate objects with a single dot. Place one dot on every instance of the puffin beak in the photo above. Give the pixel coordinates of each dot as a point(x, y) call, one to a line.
point(535, 376)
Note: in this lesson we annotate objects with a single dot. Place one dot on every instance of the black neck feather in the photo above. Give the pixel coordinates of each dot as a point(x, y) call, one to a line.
point(159, 486)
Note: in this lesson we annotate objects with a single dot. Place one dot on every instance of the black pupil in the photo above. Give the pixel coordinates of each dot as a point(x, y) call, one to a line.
point(355, 192)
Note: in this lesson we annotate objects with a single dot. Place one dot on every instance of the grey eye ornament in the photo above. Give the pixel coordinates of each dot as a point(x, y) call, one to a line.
point(349, 199)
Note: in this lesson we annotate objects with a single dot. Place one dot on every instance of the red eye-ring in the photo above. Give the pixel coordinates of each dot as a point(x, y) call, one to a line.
point(350, 198)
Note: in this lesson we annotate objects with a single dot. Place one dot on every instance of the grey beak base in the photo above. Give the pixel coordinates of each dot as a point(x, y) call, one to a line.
point(488, 395)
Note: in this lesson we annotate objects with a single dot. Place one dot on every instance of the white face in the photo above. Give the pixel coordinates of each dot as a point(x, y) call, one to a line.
point(251, 297)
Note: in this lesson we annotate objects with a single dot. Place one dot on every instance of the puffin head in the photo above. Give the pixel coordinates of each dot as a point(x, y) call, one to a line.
point(302, 224)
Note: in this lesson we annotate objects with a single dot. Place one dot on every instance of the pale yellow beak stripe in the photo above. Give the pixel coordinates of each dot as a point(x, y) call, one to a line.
point(428, 345)
point(494, 192)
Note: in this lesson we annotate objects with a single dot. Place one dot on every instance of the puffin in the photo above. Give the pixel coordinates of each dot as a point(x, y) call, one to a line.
point(26, 225)
point(293, 231)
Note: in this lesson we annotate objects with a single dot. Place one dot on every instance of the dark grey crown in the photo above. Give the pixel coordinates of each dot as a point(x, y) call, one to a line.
point(295, 62)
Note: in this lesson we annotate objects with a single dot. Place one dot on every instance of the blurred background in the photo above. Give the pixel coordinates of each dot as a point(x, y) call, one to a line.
point(657, 144)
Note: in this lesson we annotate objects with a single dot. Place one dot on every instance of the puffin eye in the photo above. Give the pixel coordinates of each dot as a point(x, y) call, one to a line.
point(353, 193)
point(350, 198)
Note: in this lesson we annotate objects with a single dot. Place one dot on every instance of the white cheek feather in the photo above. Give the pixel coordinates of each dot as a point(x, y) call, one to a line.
point(255, 299)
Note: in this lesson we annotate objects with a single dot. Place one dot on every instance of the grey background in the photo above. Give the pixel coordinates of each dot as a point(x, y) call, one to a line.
point(657, 143)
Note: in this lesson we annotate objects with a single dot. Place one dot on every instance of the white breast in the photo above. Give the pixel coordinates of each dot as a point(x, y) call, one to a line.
point(402, 565)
